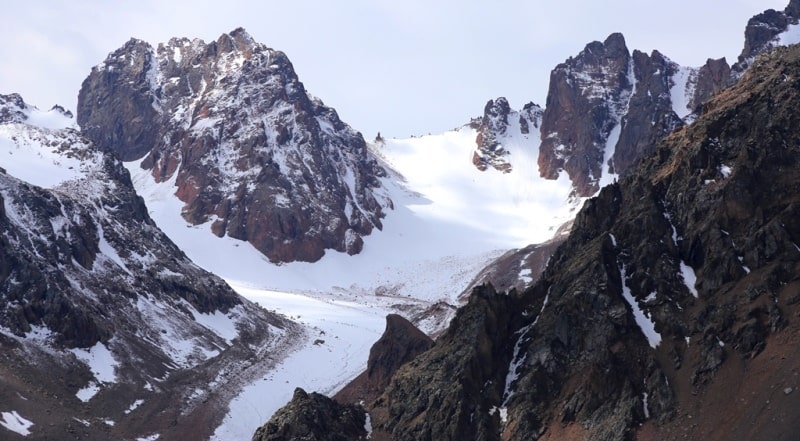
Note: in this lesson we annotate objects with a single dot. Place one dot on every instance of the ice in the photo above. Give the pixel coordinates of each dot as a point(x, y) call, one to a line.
point(439, 200)
point(14, 422)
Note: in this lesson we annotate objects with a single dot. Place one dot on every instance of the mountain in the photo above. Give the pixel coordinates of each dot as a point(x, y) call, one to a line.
point(249, 151)
point(107, 329)
point(670, 311)
point(607, 107)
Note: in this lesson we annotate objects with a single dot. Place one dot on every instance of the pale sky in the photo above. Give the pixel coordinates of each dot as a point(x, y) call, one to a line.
point(403, 68)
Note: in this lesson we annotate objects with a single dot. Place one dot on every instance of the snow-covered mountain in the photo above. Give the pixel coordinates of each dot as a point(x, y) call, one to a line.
point(251, 153)
point(126, 300)
point(670, 312)
point(107, 329)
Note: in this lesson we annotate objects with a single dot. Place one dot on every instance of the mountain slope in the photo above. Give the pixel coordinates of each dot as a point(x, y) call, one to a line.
point(676, 286)
point(252, 153)
point(107, 328)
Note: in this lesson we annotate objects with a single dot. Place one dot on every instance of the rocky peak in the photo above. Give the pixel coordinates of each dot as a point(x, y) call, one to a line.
point(12, 109)
point(247, 147)
point(497, 130)
point(400, 343)
point(314, 417)
point(763, 32)
point(587, 97)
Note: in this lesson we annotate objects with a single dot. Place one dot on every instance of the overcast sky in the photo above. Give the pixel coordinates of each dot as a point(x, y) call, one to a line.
point(401, 67)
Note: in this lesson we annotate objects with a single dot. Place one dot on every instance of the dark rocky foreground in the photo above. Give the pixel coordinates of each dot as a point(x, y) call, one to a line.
point(671, 311)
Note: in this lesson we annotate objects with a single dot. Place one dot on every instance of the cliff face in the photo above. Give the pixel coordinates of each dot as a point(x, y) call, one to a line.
point(607, 108)
point(247, 148)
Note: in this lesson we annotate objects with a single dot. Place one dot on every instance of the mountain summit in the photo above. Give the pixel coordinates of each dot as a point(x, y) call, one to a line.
point(249, 151)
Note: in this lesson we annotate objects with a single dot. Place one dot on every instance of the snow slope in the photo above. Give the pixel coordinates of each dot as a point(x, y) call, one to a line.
point(449, 220)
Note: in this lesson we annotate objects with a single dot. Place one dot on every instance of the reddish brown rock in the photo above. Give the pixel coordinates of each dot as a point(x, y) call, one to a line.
point(248, 148)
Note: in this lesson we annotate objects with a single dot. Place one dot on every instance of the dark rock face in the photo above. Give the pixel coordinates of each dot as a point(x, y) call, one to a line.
point(649, 115)
point(447, 392)
point(497, 124)
point(247, 146)
point(587, 96)
point(84, 268)
point(761, 33)
point(314, 417)
point(613, 335)
point(400, 343)
point(606, 109)
point(711, 78)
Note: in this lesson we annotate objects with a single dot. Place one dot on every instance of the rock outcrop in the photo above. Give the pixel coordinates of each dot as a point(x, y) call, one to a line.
point(248, 149)
point(315, 417)
point(497, 128)
point(400, 343)
point(766, 31)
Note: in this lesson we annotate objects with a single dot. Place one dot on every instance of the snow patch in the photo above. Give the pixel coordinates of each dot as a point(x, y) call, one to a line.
point(642, 318)
point(14, 422)
point(790, 36)
point(689, 278)
point(682, 90)
point(100, 361)
point(88, 392)
point(134, 406)
point(368, 425)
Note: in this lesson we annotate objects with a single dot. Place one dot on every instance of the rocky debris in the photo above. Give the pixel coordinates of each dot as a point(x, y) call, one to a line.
point(248, 148)
point(495, 128)
point(762, 32)
point(314, 417)
point(88, 283)
point(400, 343)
